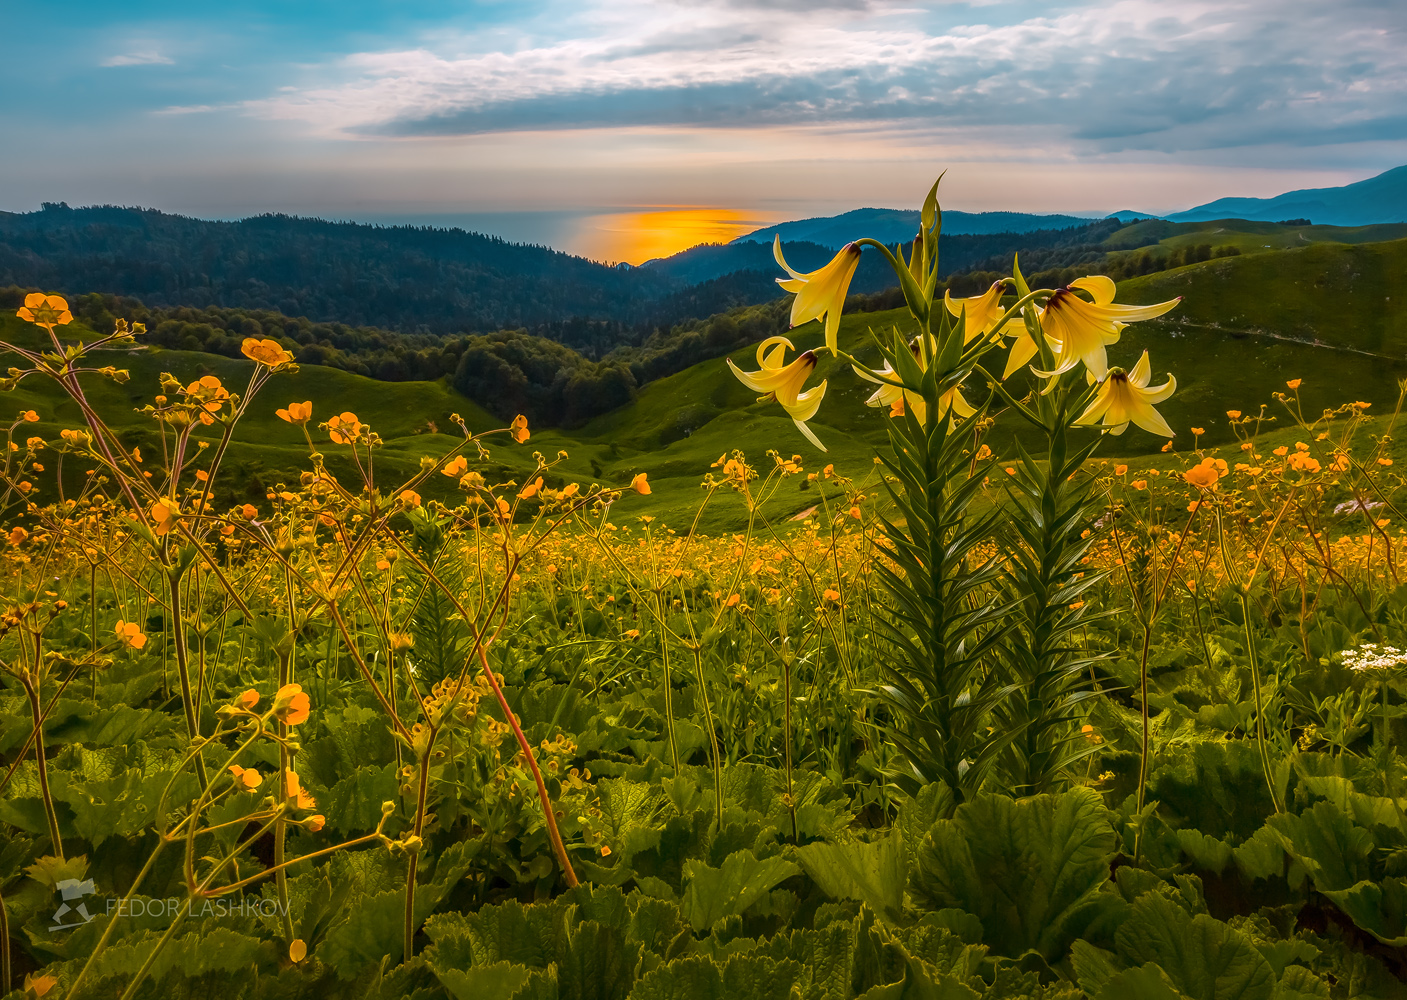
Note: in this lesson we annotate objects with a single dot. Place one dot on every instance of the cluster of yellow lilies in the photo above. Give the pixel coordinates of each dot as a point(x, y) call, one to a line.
point(1079, 322)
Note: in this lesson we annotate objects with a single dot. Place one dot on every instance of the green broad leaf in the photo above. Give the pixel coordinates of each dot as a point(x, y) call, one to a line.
point(654, 923)
point(1261, 856)
point(375, 925)
point(701, 977)
point(202, 950)
point(1331, 847)
point(934, 801)
point(1094, 967)
point(1298, 983)
point(826, 958)
point(1147, 982)
point(117, 726)
point(507, 932)
point(108, 798)
point(500, 981)
point(873, 872)
point(1218, 788)
point(1203, 957)
point(1367, 811)
point(606, 905)
point(345, 751)
point(1380, 908)
point(941, 950)
point(595, 963)
point(710, 894)
point(1206, 852)
point(920, 984)
point(353, 805)
point(1029, 869)
point(630, 812)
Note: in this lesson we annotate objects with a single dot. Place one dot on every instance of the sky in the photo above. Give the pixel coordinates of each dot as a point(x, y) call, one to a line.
point(624, 129)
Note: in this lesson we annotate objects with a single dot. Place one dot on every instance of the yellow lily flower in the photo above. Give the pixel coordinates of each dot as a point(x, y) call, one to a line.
point(981, 311)
point(1125, 396)
point(783, 382)
point(898, 400)
point(1023, 349)
point(819, 293)
point(1084, 329)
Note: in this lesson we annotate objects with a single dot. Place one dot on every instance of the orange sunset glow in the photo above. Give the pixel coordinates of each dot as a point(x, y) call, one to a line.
point(635, 237)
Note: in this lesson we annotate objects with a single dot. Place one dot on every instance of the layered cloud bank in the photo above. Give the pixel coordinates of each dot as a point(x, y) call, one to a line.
point(1109, 77)
point(770, 108)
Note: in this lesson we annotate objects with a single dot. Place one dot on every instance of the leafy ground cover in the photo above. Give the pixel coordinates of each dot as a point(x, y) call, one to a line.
point(458, 717)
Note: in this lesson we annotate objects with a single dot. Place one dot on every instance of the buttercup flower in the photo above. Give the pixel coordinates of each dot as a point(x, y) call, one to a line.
point(45, 310)
point(1203, 476)
point(344, 428)
point(1083, 329)
point(246, 776)
point(130, 634)
point(293, 789)
point(297, 413)
point(783, 382)
point(265, 352)
point(209, 394)
point(292, 705)
point(519, 428)
point(819, 293)
point(640, 485)
point(1124, 397)
point(410, 498)
point(163, 516)
point(981, 312)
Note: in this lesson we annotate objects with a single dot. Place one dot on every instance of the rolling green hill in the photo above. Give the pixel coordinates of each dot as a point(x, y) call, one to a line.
point(1332, 314)
point(1159, 235)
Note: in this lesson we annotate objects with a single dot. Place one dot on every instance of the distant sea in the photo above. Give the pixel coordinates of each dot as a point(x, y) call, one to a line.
point(631, 235)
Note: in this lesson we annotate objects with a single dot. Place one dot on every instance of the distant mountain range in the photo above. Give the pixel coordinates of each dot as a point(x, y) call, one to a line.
point(1378, 199)
point(898, 225)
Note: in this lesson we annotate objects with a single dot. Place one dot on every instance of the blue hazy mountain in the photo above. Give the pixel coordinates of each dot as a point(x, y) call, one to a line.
point(899, 225)
point(1378, 199)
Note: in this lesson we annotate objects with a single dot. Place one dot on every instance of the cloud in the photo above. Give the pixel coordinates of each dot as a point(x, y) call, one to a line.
point(148, 58)
point(1111, 76)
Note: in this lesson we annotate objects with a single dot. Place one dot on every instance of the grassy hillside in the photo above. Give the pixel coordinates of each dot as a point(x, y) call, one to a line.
point(1334, 315)
point(1161, 236)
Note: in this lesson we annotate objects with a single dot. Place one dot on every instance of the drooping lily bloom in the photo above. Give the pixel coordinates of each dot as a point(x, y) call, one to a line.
point(1023, 349)
point(898, 400)
point(783, 382)
point(1084, 329)
point(819, 293)
point(1124, 397)
point(981, 312)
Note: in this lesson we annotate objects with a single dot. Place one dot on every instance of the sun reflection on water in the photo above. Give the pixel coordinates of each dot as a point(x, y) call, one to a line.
point(635, 237)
